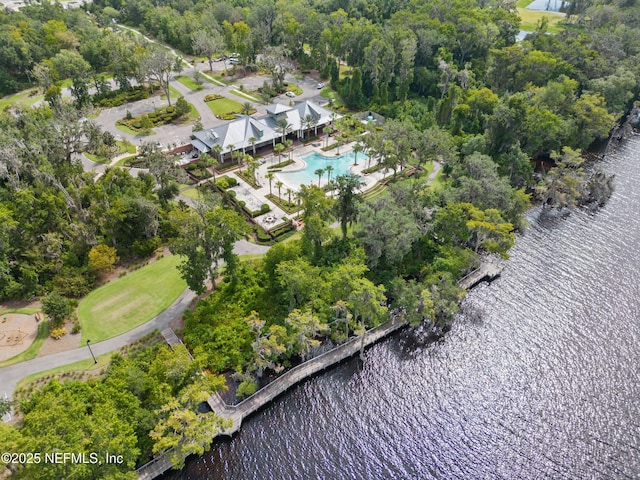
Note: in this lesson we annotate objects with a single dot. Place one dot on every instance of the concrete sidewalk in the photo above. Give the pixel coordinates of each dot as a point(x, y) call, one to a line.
point(11, 375)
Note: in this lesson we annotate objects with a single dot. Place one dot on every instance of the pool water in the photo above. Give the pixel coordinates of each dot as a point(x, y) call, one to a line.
point(547, 5)
point(315, 161)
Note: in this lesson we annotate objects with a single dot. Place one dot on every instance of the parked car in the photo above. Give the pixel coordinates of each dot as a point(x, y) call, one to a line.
point(290, 94)
point(319, 86)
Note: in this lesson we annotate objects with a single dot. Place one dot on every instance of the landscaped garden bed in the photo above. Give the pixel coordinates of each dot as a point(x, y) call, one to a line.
point(280, 165)
point(289, 207)
point(161, 116)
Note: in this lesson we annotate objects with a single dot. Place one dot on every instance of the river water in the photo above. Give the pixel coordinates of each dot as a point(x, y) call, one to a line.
point(542, 381)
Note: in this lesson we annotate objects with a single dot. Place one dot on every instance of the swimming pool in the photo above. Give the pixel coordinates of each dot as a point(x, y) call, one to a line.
point(315, 161)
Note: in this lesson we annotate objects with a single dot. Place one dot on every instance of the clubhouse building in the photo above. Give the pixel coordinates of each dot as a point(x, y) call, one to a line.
point(248, 133)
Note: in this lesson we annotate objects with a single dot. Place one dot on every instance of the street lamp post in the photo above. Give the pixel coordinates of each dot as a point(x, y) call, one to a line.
point(91, 352)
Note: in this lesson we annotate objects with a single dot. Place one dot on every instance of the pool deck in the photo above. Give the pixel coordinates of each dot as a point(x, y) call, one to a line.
point(256, 197)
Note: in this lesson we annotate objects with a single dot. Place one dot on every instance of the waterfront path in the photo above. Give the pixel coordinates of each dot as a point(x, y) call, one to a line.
point(237, 413)
point(486, 271)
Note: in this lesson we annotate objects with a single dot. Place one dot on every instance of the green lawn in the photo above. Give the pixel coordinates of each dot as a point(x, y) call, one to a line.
point(328, 92)
point(224, 106)
point(292, 87)
point(191, 193)
point(245, 96)
point(96, 158)
point(175, 94)
point(189, 83)
point(124, 129)
point(13, 99)
point(129, 301)
point(31, 100)
point(123, 161)
point(126, 147)
point(530, 19)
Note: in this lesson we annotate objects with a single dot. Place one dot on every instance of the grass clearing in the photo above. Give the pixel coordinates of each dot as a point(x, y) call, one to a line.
point(132, 300)
point(192, 193)
point(224, 106)
point(31, 100)
point(189, 83)
point(13, 99)
point(530, 19)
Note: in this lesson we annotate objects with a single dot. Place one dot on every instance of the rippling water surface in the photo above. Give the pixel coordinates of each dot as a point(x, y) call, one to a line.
point(543, 383)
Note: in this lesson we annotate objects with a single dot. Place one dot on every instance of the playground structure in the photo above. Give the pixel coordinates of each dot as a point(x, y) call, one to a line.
point(17, 332)
point(10, 338)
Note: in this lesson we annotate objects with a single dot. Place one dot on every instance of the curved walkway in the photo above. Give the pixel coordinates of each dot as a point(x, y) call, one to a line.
point(11, 375)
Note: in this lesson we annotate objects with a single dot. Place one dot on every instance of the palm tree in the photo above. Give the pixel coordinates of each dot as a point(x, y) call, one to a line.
point(209, 162)
point(252, 165)
point(253, 141)
point(288, 144)
point(289, 192)
point(328, 130)
point(319, 172)
point(278, 149)
point(269, 176)
point(329, 169)
point(246, 108)
point(284, 127)
point(279, 185)
point(217, 150)
point(357, 148)
point(231, 147)
point(307, 121)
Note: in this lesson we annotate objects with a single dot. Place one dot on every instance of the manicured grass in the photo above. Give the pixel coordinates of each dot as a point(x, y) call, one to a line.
point(530, 19)
point(82, 366)
point(374, 192)
point(126, 147)
point(250, 256)
point(328, 92)
point(245, 96)
point(191, 193)
point(31, 100)
point(123, 161)
point(292, 87)
point(193, 113)
point(96, 158)
point(523, 3)
point(25, 311)
point(224, 106)
point(32, 351)
point(13, 99)
point(124, 129)
point(129, 301)
point(189, 83)
point(175, 94)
